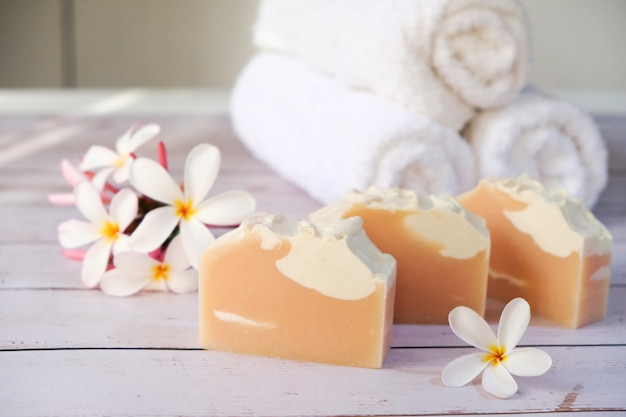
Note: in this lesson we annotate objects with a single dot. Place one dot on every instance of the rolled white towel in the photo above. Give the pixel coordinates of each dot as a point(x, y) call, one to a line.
point(327, 138)
point(548, 138)
point(440, 58)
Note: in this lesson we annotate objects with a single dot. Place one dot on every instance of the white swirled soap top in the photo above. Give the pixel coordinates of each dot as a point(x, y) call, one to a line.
point(460, 234)
point(559, 225)
point(334, 258)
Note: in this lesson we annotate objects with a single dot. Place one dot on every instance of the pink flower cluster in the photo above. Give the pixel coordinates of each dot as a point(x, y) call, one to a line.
point(141, 229)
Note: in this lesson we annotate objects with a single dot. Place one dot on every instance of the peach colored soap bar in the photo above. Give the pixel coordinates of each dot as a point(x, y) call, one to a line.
point(546, 248)
point(441, 249)
point(298, 290)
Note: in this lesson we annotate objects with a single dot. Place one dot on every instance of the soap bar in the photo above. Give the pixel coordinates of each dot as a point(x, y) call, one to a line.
point(546, 247)
point(442, 250)
point(298, 290)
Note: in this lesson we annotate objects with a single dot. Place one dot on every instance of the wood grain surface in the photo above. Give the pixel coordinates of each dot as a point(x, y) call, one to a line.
point(69, 351)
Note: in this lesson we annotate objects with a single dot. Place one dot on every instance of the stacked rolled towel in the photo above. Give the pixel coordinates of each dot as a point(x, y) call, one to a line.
point(328, 138)
point(439, 58)
point(352, 93)
point(546, 137)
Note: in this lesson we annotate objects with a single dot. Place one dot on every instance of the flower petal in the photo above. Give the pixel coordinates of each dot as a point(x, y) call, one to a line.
point(122, 172)
point(123, 209)
point(121, 244)
point(141, 135)
point(156, 285)
point(89, 203)
point(154, 229)
point(226, 209)
point(513, 323)
point(463, 369)
point(101, 177)
point(175, 255)
point(70, 173)
point(74, 254)
point(470, 327)
point(135, 263)
point(498, 381)
point(75, 233)
point(528, 362)
point(122, 144)
point(95, 262)
point(121, 283)
point(153, 180)
point(62, 199)
point(196, 239)
point(183, 282)
point(201, 169)
point(98, 157)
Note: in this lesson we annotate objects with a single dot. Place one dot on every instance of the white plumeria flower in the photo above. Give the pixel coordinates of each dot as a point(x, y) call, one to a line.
point(136, 271)
point(117, 162)
point(499, 359)
point(187, 209)
point(104, 230)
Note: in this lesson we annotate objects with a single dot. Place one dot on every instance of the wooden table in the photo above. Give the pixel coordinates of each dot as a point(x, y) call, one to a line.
point(68, 351)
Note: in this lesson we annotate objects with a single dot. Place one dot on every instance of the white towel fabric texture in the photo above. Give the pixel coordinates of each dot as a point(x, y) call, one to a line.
point(548, 138)
point(328, 138)
point(440, 58)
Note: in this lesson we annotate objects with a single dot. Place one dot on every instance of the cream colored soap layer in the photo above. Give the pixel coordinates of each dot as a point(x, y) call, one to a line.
point(546, 248)
point(326, 267)
point(237, 319)
point(441, 249)
point(457, 237)
point(274, 287)
point(572, 226)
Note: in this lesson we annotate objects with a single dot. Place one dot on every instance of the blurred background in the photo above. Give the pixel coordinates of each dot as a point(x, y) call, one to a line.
point(577, 45)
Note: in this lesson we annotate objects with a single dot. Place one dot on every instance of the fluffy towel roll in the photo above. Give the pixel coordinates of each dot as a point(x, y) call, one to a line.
point(550, 139)
point(439, 58)
point(328, 139)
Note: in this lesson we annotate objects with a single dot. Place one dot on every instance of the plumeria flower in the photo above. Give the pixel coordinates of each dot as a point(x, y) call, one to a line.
point(72, 176)
point(186, 208)
point(499, 359)
point(118, 162)
point(104, 230)
point(136, 271)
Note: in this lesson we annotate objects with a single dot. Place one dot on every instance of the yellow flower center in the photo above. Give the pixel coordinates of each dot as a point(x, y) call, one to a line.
point(110, 230)
point(161, 271)
point(184, 209)
point(497, 354)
